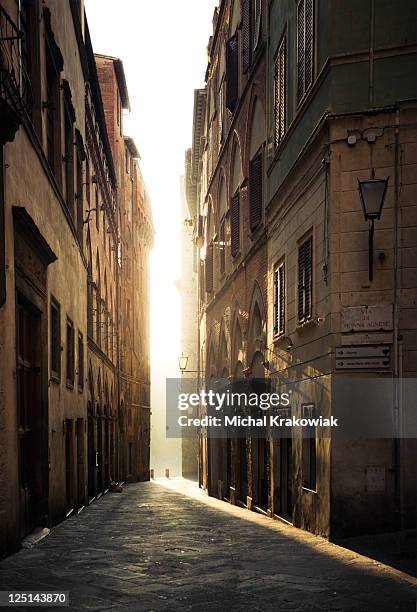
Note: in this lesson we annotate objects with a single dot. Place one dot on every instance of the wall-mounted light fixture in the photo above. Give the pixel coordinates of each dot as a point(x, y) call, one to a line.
point(372, 192)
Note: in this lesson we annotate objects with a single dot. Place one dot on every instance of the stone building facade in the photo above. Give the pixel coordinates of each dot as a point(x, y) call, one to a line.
point(61, 442)
point(325, 105)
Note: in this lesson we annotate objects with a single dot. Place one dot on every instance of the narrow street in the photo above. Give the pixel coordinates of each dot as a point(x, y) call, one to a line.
point(165, 546)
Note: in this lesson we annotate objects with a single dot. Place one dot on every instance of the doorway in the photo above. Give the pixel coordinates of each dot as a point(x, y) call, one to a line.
point(69, 465)
point(285, 504)
point(80, 464)
point(33, 448)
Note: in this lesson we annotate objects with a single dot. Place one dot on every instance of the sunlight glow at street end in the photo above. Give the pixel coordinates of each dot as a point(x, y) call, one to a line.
point(164, 58)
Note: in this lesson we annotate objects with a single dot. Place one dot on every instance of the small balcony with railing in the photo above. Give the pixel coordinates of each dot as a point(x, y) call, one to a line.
point(14, 83)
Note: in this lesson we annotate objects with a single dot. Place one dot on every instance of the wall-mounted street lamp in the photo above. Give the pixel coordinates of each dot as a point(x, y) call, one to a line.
point(372, 192)
point(183, 362)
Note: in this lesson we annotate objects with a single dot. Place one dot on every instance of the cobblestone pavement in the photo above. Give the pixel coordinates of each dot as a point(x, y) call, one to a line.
point(169, 547)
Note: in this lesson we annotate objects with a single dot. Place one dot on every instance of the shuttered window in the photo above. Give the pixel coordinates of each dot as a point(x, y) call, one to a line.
point(222, 247)
point(255, 191)
point(257, 22)
point(305, 280)
point(280, 92)
point(209, 269)
point(279, 300)
point(246, 34)
point(232, 73)
point(305, 47)
point(235, 224)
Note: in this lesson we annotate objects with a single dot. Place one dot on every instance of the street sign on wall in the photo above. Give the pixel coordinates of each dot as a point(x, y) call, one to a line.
point(378, 317)
point(363, 357)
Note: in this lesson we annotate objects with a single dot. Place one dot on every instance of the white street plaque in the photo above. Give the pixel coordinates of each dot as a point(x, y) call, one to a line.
point(378, 317)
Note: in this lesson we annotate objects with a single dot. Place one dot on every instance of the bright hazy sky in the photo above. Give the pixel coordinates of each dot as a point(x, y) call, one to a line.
point(162, 44)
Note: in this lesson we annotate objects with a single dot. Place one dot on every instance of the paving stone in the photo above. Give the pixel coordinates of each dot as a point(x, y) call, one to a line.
point(172, 548)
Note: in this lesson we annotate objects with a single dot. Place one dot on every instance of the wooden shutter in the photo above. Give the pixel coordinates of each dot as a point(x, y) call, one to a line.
point(279, 300)
point(276, 302)
point(309, 43)
point(280, 102)
point(257, 22)
point(255, 191)
point(235, 225)
point(232, 76)
point(305, 280)
point(305, 47)
point(246, 33)
point(308, 279)
point(222, 247)
point(300, 49)
point(209, 269)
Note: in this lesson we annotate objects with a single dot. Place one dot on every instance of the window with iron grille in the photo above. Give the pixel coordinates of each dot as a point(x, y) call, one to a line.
point(255, 191)
point(235, 224)
point(70, 353)
point(232, 73)
point(305, 47)
point(309, 458)
point(280, 92)
point(55, 349)
point(209, 269)
point(279, 300)
point(222, 246)
point(80, 361)
point(305, 280)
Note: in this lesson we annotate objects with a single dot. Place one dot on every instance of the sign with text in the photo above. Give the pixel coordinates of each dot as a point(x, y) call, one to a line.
point(378, 317)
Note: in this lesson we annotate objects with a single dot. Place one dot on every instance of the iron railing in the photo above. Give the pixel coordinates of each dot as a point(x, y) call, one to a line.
point(15, 89)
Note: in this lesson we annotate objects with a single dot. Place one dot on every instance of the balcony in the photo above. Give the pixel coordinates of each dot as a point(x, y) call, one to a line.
point(14, 86)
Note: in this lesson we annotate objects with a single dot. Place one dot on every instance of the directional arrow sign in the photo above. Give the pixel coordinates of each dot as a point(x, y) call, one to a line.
point(350, 352)
point(364, 363)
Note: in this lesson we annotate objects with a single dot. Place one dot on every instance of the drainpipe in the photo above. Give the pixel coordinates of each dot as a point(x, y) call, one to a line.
point(2, 232)
point(398, 352)
point(371, 53)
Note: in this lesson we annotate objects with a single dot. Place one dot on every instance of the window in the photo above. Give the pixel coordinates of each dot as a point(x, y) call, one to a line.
point(209, 269)
point(257, 22)
point(220, 114)
point(29, 49)
point(309, 448)
point(305, 284)
point(280, 92)
point(232, 73)
point(55, 347)
point(255, 191)
point(97, 207)
point(80, 362)
point(88, 181)
point(69, 119)
point(305, 47)
point(80, 190)
point(222, 246)
point(70, 353)
point(52, 108)
point(127, 161)
point(235, 224)
point(251, 30)
point(279, 300)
